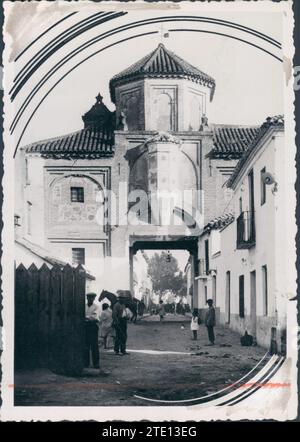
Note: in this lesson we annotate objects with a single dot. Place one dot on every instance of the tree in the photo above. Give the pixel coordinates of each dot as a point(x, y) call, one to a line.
point(166, 275)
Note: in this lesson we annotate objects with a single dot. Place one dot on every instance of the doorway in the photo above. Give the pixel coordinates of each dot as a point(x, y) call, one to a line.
point(253, 302)
point(214, 289)
point(176, 256)
point(227, 298)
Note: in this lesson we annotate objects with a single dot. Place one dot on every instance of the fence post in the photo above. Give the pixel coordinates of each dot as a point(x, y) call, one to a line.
point(79, 317)
point(44, 315)
point(55, 344)
point(21, 306)
point(50, 318)
point(32, 320)
point(67, 319)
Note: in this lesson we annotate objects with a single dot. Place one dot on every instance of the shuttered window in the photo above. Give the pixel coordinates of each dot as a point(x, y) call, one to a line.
point(78, 256)
point(77, 194)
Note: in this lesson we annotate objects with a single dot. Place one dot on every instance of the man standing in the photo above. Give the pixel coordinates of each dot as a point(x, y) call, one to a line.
point(210, 321)
point(120, 324)
point(161, 310)
point(92, 313)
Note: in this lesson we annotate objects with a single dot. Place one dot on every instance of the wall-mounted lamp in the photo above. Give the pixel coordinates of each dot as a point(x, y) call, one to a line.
point(268, 179)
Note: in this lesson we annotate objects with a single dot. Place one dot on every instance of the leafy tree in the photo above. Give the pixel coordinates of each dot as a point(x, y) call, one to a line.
point(166, 275)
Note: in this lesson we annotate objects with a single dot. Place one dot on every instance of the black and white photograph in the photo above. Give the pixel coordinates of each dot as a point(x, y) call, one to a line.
point(149, 255)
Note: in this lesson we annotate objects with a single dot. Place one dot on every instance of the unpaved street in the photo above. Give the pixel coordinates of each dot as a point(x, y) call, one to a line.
point(164, 363)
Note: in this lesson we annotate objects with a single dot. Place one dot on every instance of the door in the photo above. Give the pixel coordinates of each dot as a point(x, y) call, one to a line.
point(227, 299)
point(241, 297)
point(253, 302)
point(214, 289)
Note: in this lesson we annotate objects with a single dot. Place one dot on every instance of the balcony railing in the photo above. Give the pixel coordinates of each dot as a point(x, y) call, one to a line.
point(245, 230)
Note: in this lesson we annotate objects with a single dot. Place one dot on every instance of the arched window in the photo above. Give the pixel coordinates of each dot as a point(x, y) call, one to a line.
point(132, 113)
point(195, 114)
point(164, 113)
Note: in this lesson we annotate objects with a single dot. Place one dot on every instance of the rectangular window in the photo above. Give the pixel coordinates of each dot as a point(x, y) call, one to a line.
point(227, 300)
point(241, 297)
point(263, 188)
point(77, 194)
point(17, 221)
point(251, 191)
point(206, 257)
point(265, 289)
point(78, 256)
point(29, 207)
point(205, 294)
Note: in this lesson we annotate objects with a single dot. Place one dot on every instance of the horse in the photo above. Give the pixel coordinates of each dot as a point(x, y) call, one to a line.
point(130, 303)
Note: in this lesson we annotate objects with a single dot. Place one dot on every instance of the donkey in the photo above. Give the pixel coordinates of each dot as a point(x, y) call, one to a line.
point(130, 303)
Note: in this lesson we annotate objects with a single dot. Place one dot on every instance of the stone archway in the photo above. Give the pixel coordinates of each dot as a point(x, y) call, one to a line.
point(166, 242)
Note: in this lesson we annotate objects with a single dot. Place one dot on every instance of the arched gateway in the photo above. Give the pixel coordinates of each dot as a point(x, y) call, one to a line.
point(154, 159)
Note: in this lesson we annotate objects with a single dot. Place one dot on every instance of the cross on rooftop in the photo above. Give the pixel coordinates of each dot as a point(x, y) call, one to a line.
point(163, 33)
point(99, 98)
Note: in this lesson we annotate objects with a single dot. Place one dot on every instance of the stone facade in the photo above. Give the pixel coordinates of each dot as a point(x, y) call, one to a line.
point(158, 140)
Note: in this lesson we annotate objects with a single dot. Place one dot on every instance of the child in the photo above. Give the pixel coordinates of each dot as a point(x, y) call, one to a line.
point(195, 323)
point(161, 310)
point(106, 324)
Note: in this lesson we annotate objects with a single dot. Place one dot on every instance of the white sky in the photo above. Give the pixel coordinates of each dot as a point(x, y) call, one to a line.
point(249, 83)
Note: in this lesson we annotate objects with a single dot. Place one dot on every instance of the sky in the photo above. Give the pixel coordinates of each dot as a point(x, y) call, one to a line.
point(249, 83)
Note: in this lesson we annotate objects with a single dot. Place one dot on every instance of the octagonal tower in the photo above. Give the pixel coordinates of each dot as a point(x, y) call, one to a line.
point(161, 92)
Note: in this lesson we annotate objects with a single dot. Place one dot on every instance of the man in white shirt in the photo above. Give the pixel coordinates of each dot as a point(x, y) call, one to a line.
point(92, 314)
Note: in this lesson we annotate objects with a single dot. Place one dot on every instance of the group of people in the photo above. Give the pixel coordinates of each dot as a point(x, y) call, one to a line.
point(113, 323)
point(209, 321)
point(110, 323)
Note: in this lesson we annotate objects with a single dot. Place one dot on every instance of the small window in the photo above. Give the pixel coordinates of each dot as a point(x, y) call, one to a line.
point(241, 205)
point(78, 256)
point(265, 289)
point(17, 221)
point(241, 297)
point(205, 294)
point(77, 194)
point(263, 193)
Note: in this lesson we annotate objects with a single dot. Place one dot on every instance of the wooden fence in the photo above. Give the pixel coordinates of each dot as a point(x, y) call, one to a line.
point(49, 318)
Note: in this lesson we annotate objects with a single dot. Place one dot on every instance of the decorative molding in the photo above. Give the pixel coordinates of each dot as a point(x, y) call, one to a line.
point(163, 137)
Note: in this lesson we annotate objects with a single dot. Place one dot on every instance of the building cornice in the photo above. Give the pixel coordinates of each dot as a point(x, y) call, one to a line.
point(271, 125)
